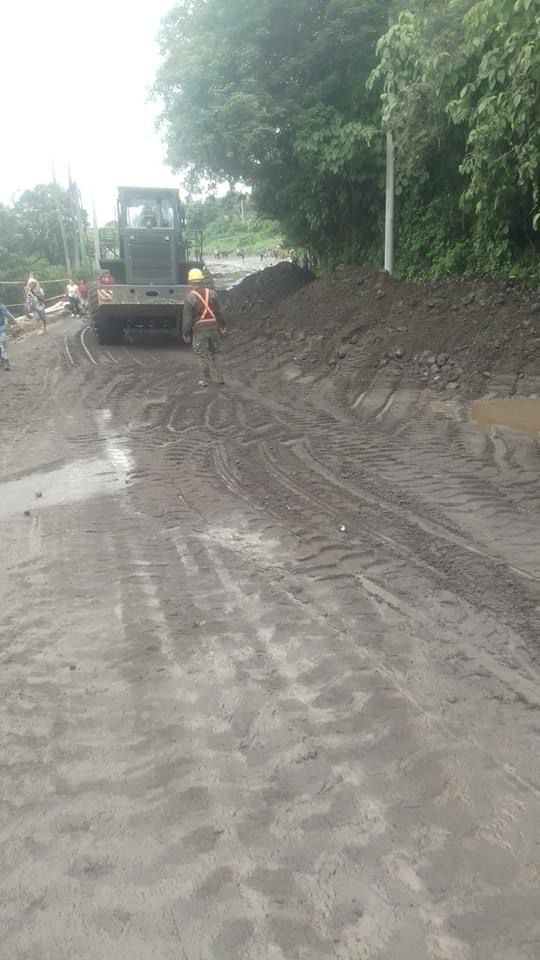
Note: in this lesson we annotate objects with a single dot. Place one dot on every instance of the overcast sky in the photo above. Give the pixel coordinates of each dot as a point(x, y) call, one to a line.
point(75, 79)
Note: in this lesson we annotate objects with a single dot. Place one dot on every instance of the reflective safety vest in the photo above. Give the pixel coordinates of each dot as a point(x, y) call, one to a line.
point(208, 315)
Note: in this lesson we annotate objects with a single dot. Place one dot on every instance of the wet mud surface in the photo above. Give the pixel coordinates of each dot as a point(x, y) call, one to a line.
point(269, 663)
point(516, 413)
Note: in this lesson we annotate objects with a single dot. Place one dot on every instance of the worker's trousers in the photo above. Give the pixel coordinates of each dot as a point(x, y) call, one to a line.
point(207, 347)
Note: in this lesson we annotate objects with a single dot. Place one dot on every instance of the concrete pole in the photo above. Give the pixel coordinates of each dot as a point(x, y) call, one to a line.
point(389, 215)
point(81, 231)
point(61, 225)
point(75, 237)
point(97, 250)
point(390, 189)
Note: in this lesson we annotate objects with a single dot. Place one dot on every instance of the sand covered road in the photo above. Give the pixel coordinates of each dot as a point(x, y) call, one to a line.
point(269, 681)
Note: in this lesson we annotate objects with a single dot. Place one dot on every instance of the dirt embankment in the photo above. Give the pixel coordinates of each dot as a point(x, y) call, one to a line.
point(460, 338)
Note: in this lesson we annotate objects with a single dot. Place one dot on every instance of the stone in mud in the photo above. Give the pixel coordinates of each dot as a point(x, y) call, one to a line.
point(442, 359)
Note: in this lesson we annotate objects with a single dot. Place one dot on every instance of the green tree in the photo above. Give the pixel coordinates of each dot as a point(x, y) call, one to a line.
point(230, 222)
point(460, 92)
point(500, 108)
point(273, 93)
point(38, 213)
point(30, 239)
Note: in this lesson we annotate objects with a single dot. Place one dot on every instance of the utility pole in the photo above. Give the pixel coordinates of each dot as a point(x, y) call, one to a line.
point(74, 237)
point(81, 231)
point(97, 249)
point(61, 224)
point(389, 213)
point(390, 190)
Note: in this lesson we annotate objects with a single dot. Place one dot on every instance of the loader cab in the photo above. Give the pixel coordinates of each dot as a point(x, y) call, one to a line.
point(151, 226)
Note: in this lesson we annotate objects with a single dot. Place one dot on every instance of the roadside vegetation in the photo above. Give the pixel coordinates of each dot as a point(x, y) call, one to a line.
point(232, 223)
point(292, 97)
point(31, 240)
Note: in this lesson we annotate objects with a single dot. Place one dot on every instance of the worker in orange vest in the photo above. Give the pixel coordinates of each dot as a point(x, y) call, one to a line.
point(204, 326)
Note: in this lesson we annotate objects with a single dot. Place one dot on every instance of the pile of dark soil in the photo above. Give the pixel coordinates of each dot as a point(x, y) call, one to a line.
point(465, 337)
point(266, 288)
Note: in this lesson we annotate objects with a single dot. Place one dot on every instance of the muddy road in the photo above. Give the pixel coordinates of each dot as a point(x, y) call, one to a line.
point(269, 669)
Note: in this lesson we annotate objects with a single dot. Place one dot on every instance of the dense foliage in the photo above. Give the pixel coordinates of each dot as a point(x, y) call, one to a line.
point(463, 100)
point(231, 223)
point(292, 97)
point(273, 92)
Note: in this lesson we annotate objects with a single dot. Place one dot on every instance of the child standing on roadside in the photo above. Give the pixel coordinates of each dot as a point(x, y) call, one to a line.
point(5, 318)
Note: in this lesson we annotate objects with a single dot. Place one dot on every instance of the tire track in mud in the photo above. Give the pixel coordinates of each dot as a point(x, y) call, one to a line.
point(385, 570)
point(254, 729)
point(273, 729)
point(314, 424)
point(510, 667)
point(434, 470)
point(255, 738)
point(400, 564)
point(309, 427)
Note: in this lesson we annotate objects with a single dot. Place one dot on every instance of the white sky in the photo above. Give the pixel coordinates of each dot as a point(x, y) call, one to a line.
point(74, 90)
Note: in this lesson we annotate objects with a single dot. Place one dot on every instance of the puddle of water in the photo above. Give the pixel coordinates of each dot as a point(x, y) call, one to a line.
point(69, 484)
point(517, 413)
point(74, 481)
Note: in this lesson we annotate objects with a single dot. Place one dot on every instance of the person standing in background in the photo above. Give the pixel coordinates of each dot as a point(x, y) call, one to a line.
point(35, 306)
point(38, 288)
point(74, 298)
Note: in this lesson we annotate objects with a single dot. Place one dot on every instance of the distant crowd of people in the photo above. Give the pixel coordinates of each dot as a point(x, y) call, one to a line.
point(307, 261)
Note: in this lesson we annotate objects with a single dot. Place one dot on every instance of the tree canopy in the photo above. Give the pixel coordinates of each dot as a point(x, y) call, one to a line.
point(273, 92)
point(292, 97)
point(461, 93)
point(31, 238)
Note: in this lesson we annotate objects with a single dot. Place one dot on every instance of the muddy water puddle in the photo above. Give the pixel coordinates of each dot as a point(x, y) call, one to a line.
point(72, 483)
point(516, 413)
